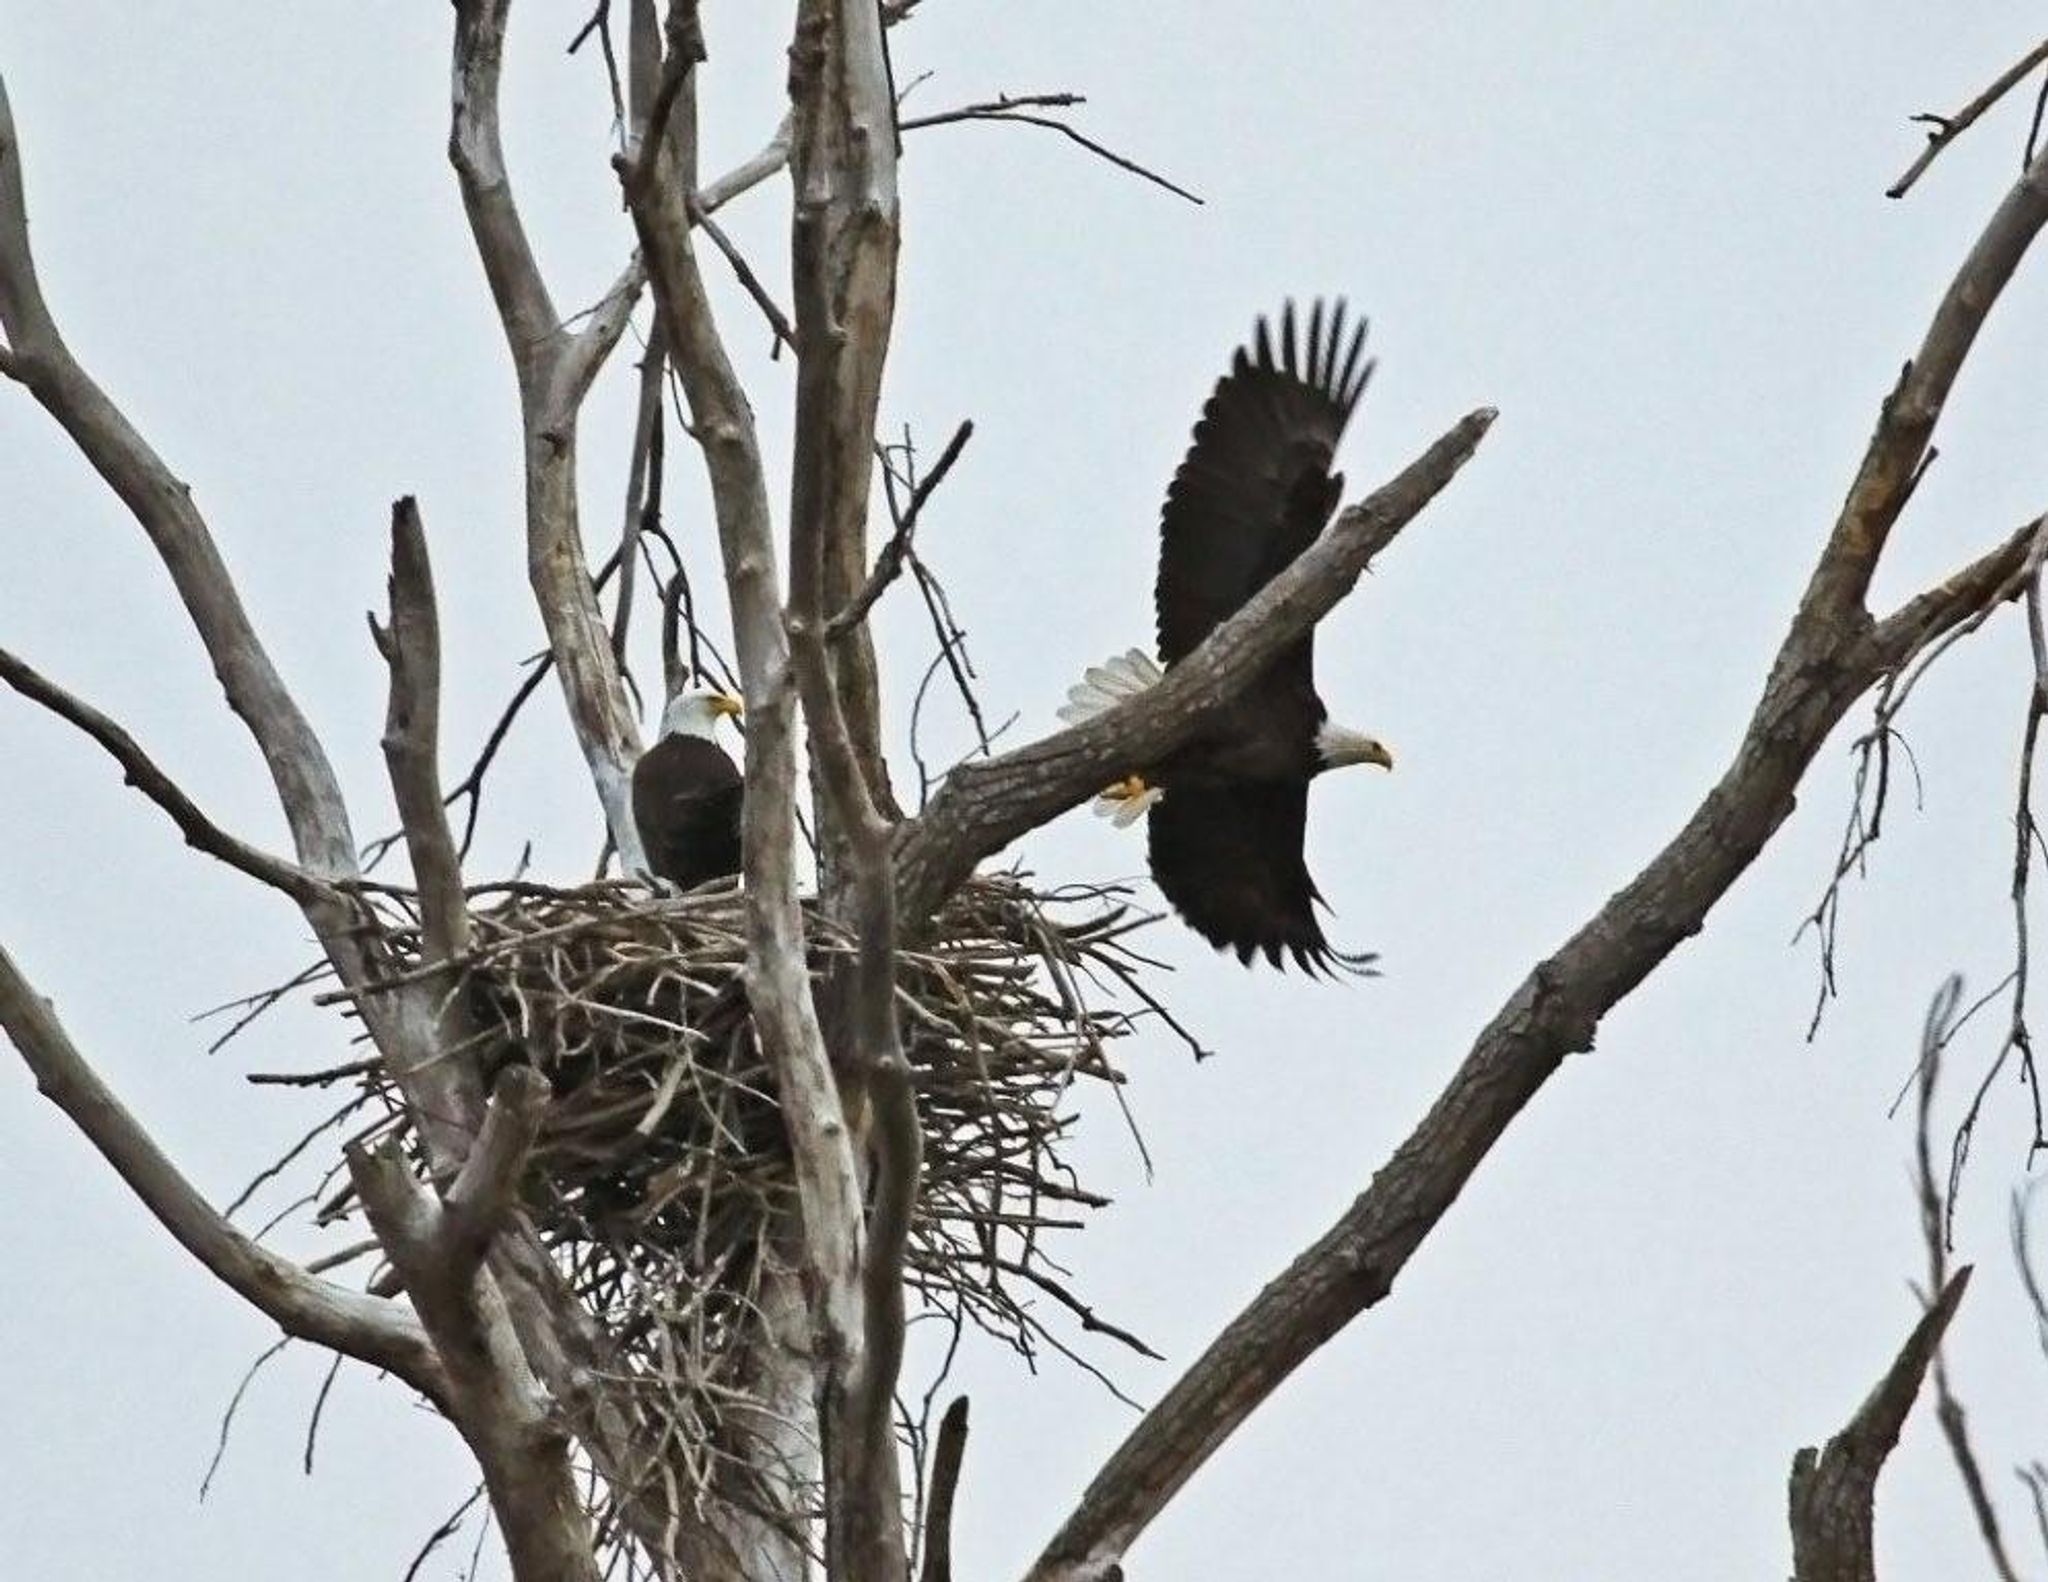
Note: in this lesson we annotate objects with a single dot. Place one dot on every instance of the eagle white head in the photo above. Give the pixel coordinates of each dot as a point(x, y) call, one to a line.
point(698, 713)
point(1338, 747)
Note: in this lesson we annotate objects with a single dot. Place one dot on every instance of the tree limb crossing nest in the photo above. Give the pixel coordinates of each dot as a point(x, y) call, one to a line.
point(661, 1180)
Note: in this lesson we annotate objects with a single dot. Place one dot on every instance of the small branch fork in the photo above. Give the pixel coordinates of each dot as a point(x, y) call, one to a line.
point(1945, 129)
point(1024, 109)
point(1936, 1209)
point(889, 563)
point(437, 1248)
point(38, 357)
point(1873, 779)
point(555, 366)
point(1834, 1489)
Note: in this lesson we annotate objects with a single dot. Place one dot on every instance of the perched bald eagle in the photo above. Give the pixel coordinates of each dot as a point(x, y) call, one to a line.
point(686, 794)
point(1226, 812)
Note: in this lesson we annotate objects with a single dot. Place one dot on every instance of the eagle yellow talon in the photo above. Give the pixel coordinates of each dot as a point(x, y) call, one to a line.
point(1126, 801)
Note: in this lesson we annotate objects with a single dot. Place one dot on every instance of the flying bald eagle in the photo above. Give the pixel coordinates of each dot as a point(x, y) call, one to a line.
point(1226, 812)
point(686, 794)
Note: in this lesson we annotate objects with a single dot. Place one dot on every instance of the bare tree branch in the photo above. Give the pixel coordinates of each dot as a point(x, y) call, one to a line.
point(554, 368)
point(485, 1190)
point(889, 563)
point(644, 479)
point(1939, 1028)
point(946, 1461)
point(304, 779)
point(381, 1333)
point(162, 505)
point(1898, 452)
point(746, 175)
point(406, 1025)
point(1020, 109)
point(844, 241)
point(200, 832)
point(1834, 1489)
point(1832, 653)
point(585, 351)
point(982, 807)
point(494, 1400)
point(411, 647)
point(1947, 128)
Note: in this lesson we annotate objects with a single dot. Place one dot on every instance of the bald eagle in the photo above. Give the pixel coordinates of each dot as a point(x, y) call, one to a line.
point(1226, 812)
point(686, 794)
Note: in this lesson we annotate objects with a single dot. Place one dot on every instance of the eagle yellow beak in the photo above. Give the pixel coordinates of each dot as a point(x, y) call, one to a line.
point(726, 705)
point(1378, 753)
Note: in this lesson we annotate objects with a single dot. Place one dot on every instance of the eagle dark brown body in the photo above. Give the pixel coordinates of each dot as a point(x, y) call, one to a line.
point(1228, 811)
point(686, 802)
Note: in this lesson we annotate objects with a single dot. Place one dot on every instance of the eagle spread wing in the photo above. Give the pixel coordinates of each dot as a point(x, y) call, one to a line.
point(1254, 491)
point(1255, 487)
point(1229, 859)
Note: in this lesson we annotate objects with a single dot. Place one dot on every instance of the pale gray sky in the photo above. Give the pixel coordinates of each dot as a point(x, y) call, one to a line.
point(1653, 235)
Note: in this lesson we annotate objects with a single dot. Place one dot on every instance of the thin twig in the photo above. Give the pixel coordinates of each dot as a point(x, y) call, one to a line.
point(1947, 128)
point(1936, 1033)
point(227, 1418)
point(441, 1534)
point(889, 563)
point(1006, 108)
point(200, 832)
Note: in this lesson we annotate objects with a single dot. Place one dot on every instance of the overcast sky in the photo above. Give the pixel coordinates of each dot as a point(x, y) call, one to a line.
point(1654, 236)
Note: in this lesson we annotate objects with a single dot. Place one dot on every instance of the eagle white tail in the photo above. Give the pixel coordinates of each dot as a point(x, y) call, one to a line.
point(1108, 684)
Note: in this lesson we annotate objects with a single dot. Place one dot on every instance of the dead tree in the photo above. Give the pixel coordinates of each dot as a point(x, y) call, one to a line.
point(481, 1301)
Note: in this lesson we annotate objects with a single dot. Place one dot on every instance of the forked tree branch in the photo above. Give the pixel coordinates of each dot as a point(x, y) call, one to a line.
point(383, 1334)
point(889, 563)
point(488, 1186)
point(304, 779)
point(1834, 1489)
point(407, 1025)
point(494, 1400)
point(555, 366)
point(1898, 453)
point(1832, 653)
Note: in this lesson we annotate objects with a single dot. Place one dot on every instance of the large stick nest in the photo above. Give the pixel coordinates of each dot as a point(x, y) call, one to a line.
point(661, 1181)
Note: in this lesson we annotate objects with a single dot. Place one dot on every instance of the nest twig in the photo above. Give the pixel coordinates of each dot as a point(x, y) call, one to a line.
point(661, 1177)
